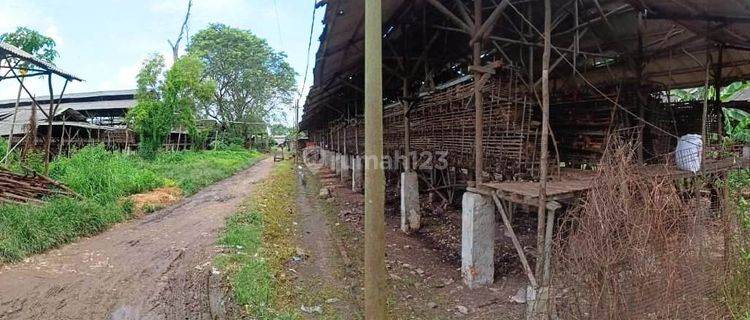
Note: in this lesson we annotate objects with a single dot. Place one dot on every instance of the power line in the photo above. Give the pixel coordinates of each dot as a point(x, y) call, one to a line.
point(307, 65)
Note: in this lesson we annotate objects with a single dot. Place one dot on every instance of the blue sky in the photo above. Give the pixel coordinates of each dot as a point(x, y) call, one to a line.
point(105, 41)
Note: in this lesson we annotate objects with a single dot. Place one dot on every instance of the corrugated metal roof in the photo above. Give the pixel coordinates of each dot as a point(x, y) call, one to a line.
point(677, 37)
point(7, 49)
point(76, 108)
point(23, 115)
point(75, 97)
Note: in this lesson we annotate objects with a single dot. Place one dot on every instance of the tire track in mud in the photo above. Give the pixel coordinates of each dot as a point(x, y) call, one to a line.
point(155, 267)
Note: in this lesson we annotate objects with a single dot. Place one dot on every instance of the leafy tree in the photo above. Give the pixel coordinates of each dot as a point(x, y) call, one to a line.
point(39, 46)
point(33, 42)
point(185, 90)
point(166, 100)
point(697, 93)
point(252, 79)
point(280, 129)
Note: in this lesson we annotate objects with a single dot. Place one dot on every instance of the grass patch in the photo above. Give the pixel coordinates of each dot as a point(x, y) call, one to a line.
point(737, 283)
point(103, 178)
point(262, 239)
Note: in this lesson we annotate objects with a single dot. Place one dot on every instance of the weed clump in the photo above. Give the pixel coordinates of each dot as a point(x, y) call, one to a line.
point(260, 236)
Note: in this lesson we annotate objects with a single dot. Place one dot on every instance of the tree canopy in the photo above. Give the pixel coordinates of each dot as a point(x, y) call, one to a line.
point(251, 78)
point(168, 100)
point(33, 42)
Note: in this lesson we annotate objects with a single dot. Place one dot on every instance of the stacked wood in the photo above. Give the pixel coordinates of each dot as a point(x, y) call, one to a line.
point(32, 188)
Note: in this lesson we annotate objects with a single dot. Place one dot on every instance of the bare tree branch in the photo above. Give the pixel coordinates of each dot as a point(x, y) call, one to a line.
point(176, 45)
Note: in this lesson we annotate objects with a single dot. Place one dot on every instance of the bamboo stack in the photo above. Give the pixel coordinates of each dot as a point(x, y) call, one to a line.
point(34, 188)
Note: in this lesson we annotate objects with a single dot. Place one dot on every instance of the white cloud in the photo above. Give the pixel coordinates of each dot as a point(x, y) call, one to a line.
point(52, 32)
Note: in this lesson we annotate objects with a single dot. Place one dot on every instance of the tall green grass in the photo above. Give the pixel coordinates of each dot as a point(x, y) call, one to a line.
point(103, 178)
point(195, 170)
point(736, 291)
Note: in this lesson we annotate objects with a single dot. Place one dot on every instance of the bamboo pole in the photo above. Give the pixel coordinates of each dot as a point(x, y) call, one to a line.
point(375, 280)
point(15, 113)
point(407, 138)
point(545, 139)
point(704, 116)
point(478, 99)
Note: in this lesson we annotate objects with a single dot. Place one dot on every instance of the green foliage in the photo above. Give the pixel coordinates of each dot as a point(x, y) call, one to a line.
point(26, 229)
point(185, 90)
point(33, 42)
point(150, 118)
point(195, 170)
point(169, 103)
point(698, 93)
point(251, 78)
point(104, 178)
point(736, 291)
point(737, 124)
point(260, 232)
point(280, 129)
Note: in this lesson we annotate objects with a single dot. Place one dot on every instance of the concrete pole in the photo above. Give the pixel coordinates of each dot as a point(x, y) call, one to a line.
point(478, 98)
point(545, 139)
point(375, 280)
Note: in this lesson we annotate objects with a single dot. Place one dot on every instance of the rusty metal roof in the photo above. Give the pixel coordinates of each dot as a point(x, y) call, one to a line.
point(8, 50)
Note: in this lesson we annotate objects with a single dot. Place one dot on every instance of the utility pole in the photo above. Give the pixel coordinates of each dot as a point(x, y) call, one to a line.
point(375, 281)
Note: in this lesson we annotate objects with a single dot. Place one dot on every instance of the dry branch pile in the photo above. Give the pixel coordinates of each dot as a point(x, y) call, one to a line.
point(639, 248)
point(16, 188)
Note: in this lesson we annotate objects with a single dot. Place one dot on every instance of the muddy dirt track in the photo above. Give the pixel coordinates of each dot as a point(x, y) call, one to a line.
point(156, 267)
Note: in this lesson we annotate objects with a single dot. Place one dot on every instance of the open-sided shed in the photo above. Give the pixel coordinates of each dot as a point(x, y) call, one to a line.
point(469, 82)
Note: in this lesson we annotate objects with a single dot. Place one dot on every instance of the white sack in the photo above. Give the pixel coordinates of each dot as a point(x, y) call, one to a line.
point(688, 152)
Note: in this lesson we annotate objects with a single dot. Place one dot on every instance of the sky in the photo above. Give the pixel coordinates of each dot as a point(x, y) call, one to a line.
point(104, 41)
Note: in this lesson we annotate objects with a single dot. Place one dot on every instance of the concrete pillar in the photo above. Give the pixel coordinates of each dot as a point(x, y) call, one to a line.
point(337, 163)
point(332, 160)
point(323, 156)
point(346, 172)
point(358, 174)
point(477, 240)
point(410, 211)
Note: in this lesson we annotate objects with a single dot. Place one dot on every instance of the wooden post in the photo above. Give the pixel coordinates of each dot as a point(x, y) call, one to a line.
point(50, 115)
point(375, 279)
point(478, 99)
point(641, 98)
point(62, 137)
point(705, 105)
point(15, 113)
point(407, 138)
point(718, 82)
point(545, 138)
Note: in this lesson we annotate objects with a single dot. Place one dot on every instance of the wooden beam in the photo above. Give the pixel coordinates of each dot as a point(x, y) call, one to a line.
point(514, 239)
point(486, 25)
point(447, 13)
point(696, 17)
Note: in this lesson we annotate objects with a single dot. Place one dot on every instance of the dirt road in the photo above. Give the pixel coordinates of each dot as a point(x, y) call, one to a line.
point(157, 267)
